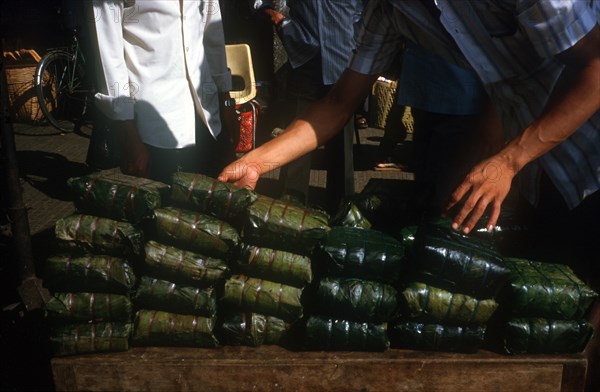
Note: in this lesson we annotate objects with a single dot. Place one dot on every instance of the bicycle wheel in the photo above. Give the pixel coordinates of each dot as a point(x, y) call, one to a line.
point(61, 90)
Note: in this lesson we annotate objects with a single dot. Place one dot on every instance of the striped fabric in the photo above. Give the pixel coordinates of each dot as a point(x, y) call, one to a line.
point(511, 46)
point(315, 27)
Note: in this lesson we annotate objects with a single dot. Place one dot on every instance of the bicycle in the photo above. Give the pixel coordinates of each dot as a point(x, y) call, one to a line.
point(64, 91)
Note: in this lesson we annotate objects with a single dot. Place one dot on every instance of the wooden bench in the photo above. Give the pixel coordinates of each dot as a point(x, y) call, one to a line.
point(270, 368)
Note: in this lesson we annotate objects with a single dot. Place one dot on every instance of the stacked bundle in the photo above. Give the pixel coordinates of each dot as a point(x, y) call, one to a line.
point(186, 263)
point(546, 304)
point(356, 298)
point(451, 295)
point(272, 271)
point(91, 278)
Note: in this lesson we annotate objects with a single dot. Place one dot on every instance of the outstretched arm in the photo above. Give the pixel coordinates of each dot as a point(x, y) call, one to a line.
point(322, 121)
point(574, 100)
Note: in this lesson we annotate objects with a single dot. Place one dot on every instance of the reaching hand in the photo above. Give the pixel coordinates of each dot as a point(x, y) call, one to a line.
point(241, 174)
point(487, 184)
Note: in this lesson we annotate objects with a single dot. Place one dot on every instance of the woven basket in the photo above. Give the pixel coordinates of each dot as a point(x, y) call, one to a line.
point(22, 98)
point(381, 101)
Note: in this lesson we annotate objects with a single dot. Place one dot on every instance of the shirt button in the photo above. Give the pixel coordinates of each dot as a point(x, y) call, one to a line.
point(187, 48)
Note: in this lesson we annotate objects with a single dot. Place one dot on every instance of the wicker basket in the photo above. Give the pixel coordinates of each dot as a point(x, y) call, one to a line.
point(381, 101)
point(22, 98)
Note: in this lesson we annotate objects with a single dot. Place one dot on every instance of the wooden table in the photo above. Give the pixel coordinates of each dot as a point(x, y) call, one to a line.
point(270, 368)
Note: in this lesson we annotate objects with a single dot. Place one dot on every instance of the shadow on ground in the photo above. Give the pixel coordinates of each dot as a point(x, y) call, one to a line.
point(48, 172)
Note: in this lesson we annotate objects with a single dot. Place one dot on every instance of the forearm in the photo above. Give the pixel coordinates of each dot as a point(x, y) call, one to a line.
point(320, 123)
point(574, 100)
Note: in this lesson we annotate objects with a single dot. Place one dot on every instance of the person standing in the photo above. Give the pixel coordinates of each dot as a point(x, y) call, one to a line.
point(164, 83)
point(318, 36)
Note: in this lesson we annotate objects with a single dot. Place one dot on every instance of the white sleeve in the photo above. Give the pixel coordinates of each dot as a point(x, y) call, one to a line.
point(214, 48)
point(113, 97)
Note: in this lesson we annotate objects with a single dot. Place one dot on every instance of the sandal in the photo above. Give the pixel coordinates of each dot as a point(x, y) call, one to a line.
point(390, 166)
point(361, 122)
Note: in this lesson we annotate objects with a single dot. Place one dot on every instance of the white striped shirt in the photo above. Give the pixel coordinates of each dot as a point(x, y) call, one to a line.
point(511, 45)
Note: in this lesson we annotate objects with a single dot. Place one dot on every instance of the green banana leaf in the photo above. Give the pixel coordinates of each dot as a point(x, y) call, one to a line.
point(433, 304)
point(88, 307)
point(275, 265)
point(264, 297)
point(362, 253)
point(387, 203)
point(279, 225)
point(356, 299)
point(156, 328)
point(435, 337)
point(548, 290)
point(205, 194)
point(182, 266)
point(349, 215)
point(95, 273)
point(251, 329)
point(87, 338)
point(341, 335)
point(117, 196)
point(162, 295)
point(99, 235)
point(408, 235)
point(195, 231)
point(459, 263)
point(544, 336)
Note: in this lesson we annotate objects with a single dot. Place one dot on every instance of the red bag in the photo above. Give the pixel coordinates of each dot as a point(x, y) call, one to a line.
point(247, 114)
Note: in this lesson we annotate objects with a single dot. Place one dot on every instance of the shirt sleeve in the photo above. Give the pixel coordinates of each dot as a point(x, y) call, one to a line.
point(377, 41)
point(114, 96)
point(555, 26)
point(214, 48)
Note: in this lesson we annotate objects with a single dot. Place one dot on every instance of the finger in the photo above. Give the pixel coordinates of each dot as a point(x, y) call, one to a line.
point(465, 211)
point(496, 208)
point(475, 215)
point(457, 195)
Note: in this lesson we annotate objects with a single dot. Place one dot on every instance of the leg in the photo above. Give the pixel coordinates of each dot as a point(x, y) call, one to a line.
point(340, 167)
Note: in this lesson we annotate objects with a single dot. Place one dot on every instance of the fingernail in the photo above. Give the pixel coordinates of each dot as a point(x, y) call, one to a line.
point(455, 226)
point(490, 228)
point(466, 230)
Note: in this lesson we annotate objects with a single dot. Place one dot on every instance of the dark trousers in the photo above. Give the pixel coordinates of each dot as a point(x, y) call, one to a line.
point(444, 151)
point(208, 156)
point(305, 86)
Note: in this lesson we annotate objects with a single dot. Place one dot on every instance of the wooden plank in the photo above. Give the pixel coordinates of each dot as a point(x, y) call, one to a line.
point(273, 368)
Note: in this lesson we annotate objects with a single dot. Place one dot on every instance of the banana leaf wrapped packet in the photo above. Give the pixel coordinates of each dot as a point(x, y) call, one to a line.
point(427, 303)
point(545, 336)
point(182, 266)
point(264, 297)
point(162, 295)
point(118, 196)
point(156, 328)
point(252, 329)
point(356, 299)
point(95, 273)
point(195, 231)
point(435, 337)
point(88, 307)
point(459, 263)
point(205, 194)
point(349, 215)
point(280, 225)
point(387, 203)
point(275, 265)
point(95, 234)
point(87, 338)
point(341, 335)
point(368, 254)
point(548, 290)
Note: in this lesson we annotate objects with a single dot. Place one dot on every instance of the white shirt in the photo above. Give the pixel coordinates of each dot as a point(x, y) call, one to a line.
point(163, 61)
